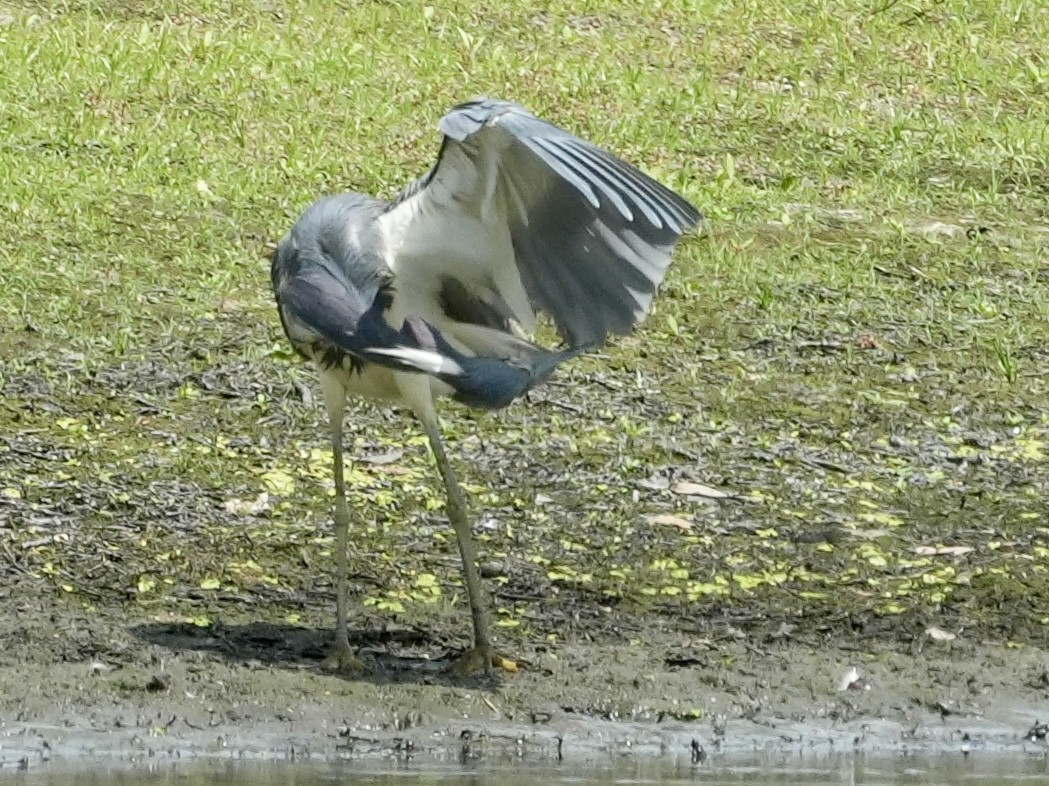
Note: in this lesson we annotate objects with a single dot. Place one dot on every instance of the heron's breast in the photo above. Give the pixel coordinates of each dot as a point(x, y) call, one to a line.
point(378, 383)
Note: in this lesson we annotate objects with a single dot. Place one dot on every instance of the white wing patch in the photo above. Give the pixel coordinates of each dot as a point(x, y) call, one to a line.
point(423, 359)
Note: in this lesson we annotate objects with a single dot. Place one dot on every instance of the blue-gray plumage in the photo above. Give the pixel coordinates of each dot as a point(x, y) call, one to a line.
point(431, 294)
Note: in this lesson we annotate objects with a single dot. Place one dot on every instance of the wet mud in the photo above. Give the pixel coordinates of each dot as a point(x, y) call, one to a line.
point(104, 685)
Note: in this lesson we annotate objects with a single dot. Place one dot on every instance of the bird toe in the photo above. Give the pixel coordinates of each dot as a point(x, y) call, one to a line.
point(481, 660)
point(343, 660)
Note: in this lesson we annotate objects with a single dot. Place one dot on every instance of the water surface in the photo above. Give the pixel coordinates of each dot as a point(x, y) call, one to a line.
point(1029, 769)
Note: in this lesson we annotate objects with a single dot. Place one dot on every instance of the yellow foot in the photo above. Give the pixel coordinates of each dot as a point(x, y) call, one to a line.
point(344, 661)
point(480, 659)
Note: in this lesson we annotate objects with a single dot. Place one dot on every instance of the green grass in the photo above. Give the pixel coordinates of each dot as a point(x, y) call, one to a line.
point(856, 346)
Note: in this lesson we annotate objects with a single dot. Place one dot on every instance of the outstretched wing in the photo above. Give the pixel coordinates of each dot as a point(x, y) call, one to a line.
point(519, 215)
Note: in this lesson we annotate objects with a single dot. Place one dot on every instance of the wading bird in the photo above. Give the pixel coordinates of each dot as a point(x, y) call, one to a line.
point(432, 294)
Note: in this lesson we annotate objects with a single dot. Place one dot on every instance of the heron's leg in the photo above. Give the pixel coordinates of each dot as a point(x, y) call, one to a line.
point(342, 657)
point(480, 658)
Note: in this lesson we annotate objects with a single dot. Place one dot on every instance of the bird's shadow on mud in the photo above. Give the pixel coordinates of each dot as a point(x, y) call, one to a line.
point(386, 653)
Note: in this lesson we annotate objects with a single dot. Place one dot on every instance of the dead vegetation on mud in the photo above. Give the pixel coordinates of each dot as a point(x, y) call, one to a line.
point(872, 496)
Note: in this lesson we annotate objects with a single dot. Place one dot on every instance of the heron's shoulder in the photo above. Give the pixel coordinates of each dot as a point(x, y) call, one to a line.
point(471, 116)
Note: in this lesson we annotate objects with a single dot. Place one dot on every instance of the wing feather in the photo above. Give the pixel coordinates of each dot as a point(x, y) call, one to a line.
point(596, 175)
point(515, 203)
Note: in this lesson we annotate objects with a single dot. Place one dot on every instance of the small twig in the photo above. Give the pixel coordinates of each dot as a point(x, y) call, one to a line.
point(825, 464)
point(32, 544)
point(885, 7)
point(826, 344)
point(562, 405)
point(13, 561)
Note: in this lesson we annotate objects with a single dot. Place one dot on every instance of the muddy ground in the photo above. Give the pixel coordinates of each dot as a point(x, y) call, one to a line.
point(156, 606)
point(691, 535)
point(112, 685)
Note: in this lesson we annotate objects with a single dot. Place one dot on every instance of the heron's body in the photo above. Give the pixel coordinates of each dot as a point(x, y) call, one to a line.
point(432, 294)
point(341, 235)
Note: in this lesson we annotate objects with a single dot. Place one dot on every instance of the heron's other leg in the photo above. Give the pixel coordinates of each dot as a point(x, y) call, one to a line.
point(342, 657)
point(480, 657)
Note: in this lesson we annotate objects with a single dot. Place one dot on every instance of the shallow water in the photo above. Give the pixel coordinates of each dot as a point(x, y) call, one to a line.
point(1028, 769)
